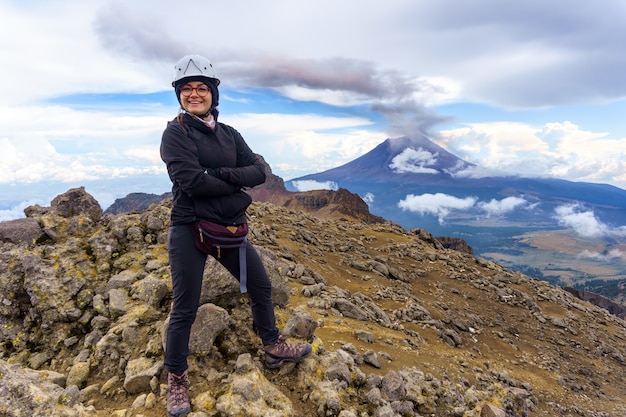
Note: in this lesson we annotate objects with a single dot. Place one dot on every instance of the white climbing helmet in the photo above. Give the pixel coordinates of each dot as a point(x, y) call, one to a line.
point(194, 66)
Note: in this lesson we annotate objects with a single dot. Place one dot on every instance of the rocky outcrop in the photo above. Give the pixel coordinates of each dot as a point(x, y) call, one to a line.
point(21, 231)
point(455, 243)
point(611, 306)
point(400, 325)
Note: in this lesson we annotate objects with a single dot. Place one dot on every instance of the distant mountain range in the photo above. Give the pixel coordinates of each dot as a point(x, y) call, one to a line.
point(416, 183)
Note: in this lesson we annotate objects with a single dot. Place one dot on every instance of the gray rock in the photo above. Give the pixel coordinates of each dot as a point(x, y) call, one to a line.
point(211, 320)
point(21, 231)
point(28, 393)
point(75, 202)
point(124, 279)
point(364, 336)
point(371, 358)
point(118, 302)
point(349, 309)
point(251, 394)
point(340, 372)
point(150, 290)
point(490, 410)
point(393, 387)
point(138, 374)
point(300, 324)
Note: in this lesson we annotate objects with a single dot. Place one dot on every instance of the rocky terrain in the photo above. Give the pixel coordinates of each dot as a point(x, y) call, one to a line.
point(400, 324)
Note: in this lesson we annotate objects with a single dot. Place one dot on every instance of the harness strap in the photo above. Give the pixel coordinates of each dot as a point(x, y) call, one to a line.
point(243, 270)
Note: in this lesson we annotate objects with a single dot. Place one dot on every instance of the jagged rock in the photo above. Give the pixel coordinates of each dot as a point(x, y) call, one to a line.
point(456, 244)
point(151, 290)
point(326, 397)
point(349, 309)
point(52, 296)
point(124, 279)
point(21, 231)
point(118, 302)
point(249, 393)
point(371, 358)
point(393, 387)
point(340, 372)
point(74, 202)
point(25, 392)
point(490, 410)
point(139, 373)
point(78, 374)
point(300, 324)
point(364, 336)
point(211, 320)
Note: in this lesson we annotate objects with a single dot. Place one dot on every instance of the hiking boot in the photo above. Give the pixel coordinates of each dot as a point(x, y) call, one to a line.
point(177, 397)
point(280, 352)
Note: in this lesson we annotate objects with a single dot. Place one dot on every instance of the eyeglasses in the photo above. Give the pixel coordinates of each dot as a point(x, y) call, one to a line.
point(201, 90)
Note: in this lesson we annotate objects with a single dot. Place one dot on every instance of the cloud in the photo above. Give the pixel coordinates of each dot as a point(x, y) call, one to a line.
point(369, 198)
point(308, 185)
point(414, 161)
point(401, 97)
point(442, 205)
point(35, 150)
point(585, 223)
point(438, 204)
point(561, 150)
point(477, 171)
point(17, 211)
point(604, 256)
point(136, 34)
point(499, 207)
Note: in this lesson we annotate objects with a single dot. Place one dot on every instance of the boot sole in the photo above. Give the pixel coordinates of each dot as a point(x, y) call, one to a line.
point(183, 414)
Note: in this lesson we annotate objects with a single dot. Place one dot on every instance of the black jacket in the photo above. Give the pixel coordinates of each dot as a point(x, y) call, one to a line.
point(208, 169)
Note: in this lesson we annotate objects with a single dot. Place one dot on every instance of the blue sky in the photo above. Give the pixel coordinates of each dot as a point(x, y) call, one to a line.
point(532, 88)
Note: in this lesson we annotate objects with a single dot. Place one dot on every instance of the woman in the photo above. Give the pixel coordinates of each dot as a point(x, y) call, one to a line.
point(209, 163)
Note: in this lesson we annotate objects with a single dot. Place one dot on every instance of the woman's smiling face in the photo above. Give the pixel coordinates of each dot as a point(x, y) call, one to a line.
point(196, 98)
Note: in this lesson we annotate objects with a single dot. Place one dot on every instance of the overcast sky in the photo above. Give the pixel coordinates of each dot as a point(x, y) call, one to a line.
point(534, 88)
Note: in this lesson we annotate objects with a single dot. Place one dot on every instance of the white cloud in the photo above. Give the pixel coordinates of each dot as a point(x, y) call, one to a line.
point(44, 143)
point(334, 98)
point(17, 211)
point(414, 161)
point(147, 153)
point(438, 204)
point(606, 256)
point(499, 207)
point(585, 223)
point(478, 171)
point(369, 198)
point(308, 185)
point(560, 150)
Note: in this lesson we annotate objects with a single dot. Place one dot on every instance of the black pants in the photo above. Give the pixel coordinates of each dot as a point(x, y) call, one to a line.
point(187, 268)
